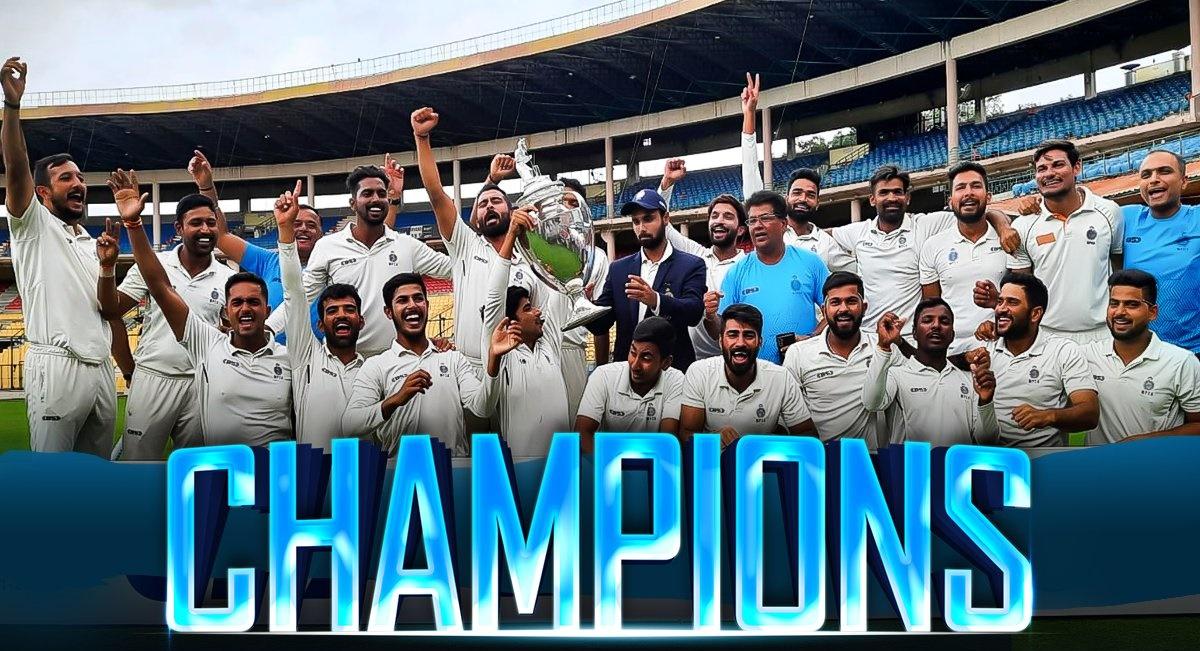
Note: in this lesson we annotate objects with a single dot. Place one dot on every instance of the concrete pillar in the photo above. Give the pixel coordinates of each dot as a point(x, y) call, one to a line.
point(610, 244)
point(768, 180)
point(791, 148)
point(856, 210)
point(1089, 84)
point(980, 109)
point(683, 229)
point(456, 168)
point(310, 182)
point(951, 107)
point(154, 198)
point(609, 199)
point(1194, 39)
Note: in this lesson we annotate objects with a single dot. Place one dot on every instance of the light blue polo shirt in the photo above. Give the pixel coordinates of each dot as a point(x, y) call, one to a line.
point(786, 293)
point(1170, 250)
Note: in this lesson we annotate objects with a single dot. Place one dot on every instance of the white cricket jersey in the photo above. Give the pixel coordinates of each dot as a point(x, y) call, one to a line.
point(339, 258)
point(321, 383)
point(937, 407)
point(531, 398)
point(1071, 256)
point(245, 397)
point(57, 270)
point(822, 244)
point(1042, 377)
point(955, 262)
point(157, 348)
point(438, 412)
point(715, 270)
point(832, 386)
point(471, 256)
point(1151, 394)
point(772, 401)
point(611, 401)
point(888, 263)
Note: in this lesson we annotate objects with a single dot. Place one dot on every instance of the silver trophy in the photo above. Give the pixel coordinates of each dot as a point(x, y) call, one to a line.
point(560, 248)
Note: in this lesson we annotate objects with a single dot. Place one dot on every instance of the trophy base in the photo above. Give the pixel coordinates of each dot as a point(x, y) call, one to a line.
point(583, 313)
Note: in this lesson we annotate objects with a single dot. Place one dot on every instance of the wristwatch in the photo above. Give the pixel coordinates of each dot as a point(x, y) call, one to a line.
point(396, 202)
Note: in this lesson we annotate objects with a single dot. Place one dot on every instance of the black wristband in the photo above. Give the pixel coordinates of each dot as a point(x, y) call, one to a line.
point(15, 107)
point(396, 202)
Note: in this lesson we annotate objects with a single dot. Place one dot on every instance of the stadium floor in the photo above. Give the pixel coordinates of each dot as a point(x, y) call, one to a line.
point(14, 424)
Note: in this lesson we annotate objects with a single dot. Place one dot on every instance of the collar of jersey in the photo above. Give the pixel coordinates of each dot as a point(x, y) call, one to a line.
point(626, 389)
point(1089, 204)
point(1152, 353)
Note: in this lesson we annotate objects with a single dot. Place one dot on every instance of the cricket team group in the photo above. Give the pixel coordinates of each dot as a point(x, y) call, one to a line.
point(969, 325)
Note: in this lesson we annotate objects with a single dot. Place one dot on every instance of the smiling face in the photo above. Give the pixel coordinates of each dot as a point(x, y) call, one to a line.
point(890, 200)
point(934, 329)
point(530, 319)
point(803, 198)
point(408, 310)
point(198, 229)
point(308, 231)
point(1161, 182)
point(370, 202)
point(341, 322)
point(66, 194)
point(1129, 313)
point(739, 346)
point(1014, 317)
point(969, 197)
point(491, 213)
point(723, 227)
point(1055, 175)
point(246, 309)
point(844, 308)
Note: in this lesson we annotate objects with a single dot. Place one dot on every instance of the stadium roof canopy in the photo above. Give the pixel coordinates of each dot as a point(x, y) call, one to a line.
point(681, 55)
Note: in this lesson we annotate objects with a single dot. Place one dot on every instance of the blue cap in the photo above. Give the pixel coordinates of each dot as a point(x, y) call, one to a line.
point(648, 199)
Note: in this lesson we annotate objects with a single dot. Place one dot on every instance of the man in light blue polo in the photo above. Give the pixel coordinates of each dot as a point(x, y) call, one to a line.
point(1162, 238)
point(783, 282)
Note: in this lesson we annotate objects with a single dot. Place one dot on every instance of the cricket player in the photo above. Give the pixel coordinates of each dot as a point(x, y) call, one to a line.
point(243, 379)
point(162, 401)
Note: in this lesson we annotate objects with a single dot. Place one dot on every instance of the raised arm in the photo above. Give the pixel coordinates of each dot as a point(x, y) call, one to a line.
point(17, 177)
point(295, 304)
point(423, 122)
point(201, 170)
point(113, 303)
point(752, 180)
point(673, 172)
point(130, 205)
point(395, 190)
point(879, 389)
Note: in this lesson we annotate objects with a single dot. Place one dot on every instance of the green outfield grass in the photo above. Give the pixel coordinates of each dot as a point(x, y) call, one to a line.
point(14, 425)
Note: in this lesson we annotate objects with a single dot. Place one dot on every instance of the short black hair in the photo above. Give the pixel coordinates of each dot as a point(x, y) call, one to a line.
point(806, 173)
point(1139, 279)
point(744, 313)
point(966, 166)
point(841, 279)
point(732, 201)
point(658, 331)
point(513, 299)
point(768, 198)
point(191, 202)
point(928, 303)
point(1065, 146)
point(1178, 159)
point(41, 168)
point(888, 173)
point(393, 283)
point(309, 208)
point(488, 187)
point(1035, 289)
point(246, 277)
point(336, 291)
point(572, 185)
point(361, 172)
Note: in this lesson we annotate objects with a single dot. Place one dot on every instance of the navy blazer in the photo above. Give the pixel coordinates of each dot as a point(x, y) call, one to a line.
point(680, 283)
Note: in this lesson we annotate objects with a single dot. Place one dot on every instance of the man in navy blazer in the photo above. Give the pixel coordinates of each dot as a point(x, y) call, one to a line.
point(656, 281)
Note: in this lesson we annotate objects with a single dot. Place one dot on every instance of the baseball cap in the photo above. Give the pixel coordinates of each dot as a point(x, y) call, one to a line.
point(648, 199)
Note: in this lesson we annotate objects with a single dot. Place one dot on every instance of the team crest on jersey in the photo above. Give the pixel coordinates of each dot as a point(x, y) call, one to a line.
point(519, 275)
point(796, 286)
point(444, 371)
point(953, 255)
point(962, 388)
point(216, 295)
point(1034, 374)
point(278, 371)
point(1091, 235)
point(650, 411)
point(761, 413)
point(903, 242)
point(392, 258)
point(1149, 384)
